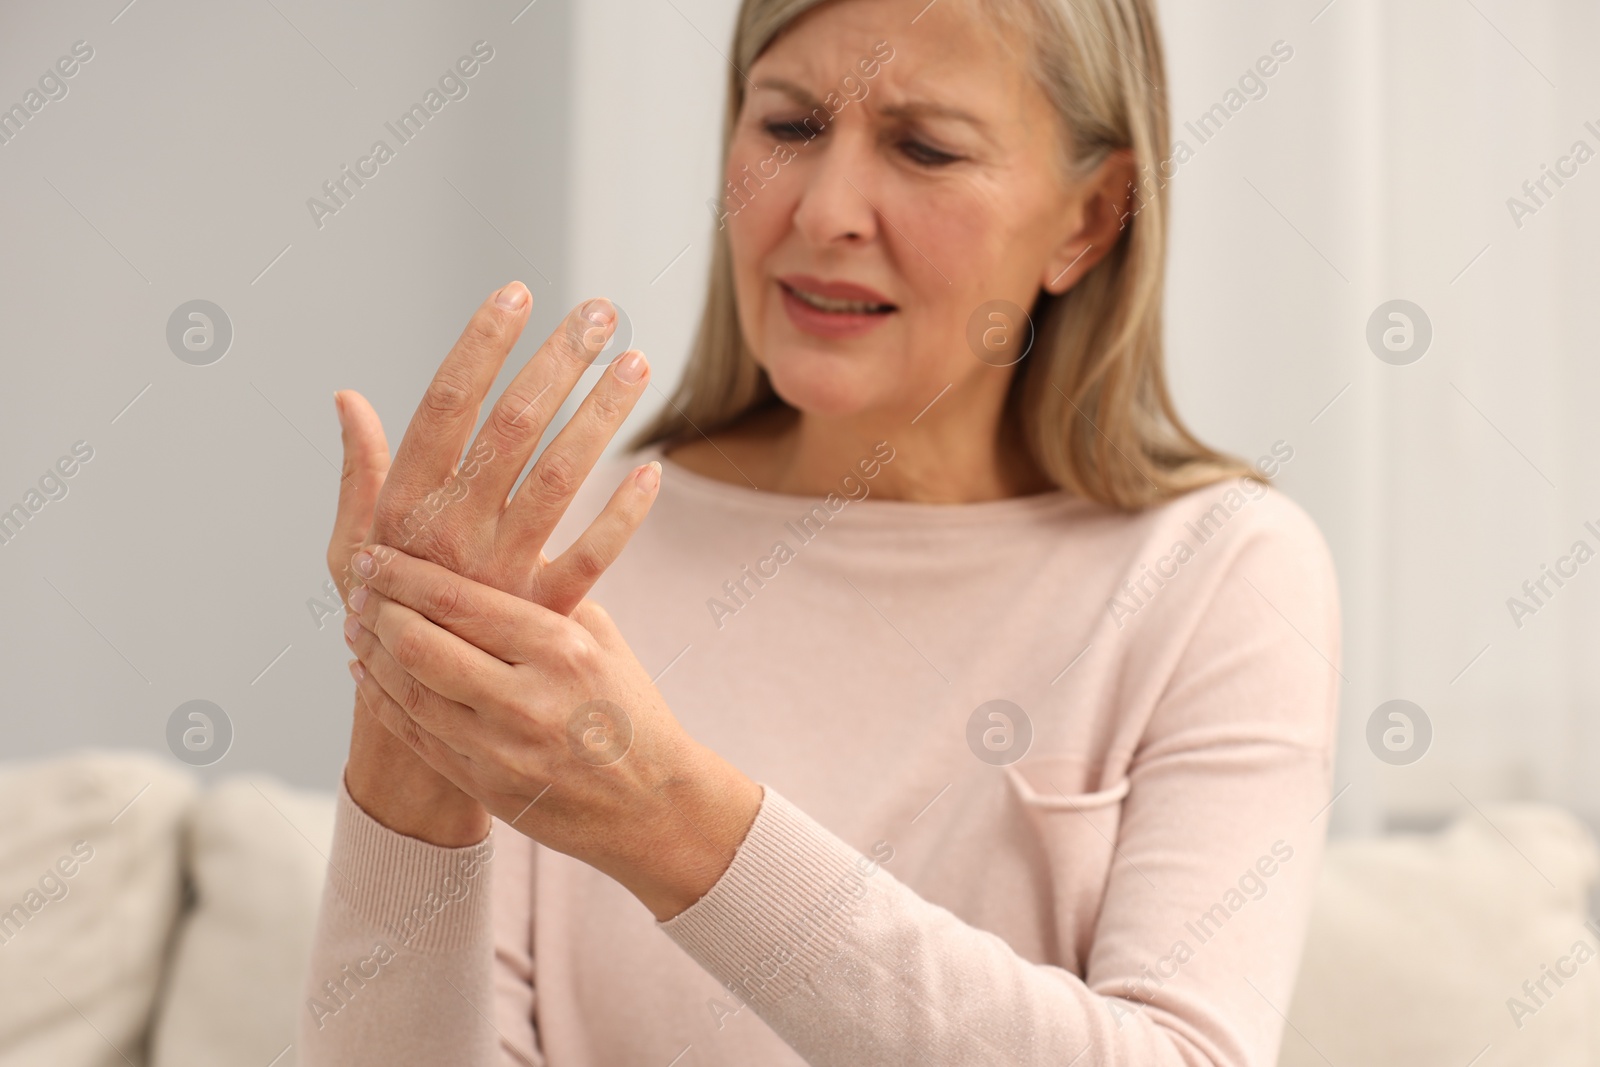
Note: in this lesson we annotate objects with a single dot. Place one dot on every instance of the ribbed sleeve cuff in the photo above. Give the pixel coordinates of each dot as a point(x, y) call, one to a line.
point(781, 911)
point(426, 898)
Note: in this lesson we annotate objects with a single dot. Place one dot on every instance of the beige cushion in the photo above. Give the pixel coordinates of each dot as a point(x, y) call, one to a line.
point(1418, 942)
point(255, 852)
point(81, 953)
point(1416, 945)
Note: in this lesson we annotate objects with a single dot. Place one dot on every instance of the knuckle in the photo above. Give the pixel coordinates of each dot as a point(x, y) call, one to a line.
point(510, 415)
point(587, 566)
point(412, 697)
point(447, 396)
point(607, 408)
point(486, 328)
point(594, 612)
point(406, 647)
point(574, 652)
point(412, 735)
point(442, 600)
point(557, 475)
point(579, 340)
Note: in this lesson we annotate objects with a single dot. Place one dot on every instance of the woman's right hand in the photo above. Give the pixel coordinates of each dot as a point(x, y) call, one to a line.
point(460, 517)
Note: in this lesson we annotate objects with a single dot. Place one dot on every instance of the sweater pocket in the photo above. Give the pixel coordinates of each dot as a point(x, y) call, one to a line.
point(1077, 832)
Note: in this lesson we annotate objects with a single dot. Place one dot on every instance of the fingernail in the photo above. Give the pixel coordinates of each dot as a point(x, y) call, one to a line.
point(358, 598)
point(512, 296)
point(338, 407)
point(352, 627)
point(650, 476)
point(598, 311)
point(357, 671)
point(362, 562)
point(630, 367)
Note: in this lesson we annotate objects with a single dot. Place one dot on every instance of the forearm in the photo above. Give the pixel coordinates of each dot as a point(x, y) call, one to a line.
point(401, 970)
point(851, 966)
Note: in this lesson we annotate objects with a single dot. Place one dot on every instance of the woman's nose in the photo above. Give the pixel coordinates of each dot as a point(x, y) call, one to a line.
point(837, 202)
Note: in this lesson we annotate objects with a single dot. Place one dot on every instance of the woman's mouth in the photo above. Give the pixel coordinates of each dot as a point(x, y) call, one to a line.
point(846, 311)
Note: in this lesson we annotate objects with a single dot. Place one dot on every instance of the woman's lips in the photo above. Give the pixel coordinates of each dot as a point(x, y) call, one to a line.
point(834, 325)
point(837, 290)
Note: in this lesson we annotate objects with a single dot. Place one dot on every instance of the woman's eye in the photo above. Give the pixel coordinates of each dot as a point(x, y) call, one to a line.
point(791, 131)
point(927, 155)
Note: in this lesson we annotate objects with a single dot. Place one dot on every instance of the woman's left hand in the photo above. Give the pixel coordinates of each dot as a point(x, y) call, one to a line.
point(551, 722)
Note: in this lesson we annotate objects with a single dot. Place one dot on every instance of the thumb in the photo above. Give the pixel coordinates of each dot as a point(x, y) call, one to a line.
point(366, 465)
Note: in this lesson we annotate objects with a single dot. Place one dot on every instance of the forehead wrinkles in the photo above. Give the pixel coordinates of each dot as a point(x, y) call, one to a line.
point(949, 86)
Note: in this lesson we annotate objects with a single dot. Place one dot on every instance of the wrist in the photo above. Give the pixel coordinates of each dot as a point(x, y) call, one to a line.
point(699, 816)
point(393, 785)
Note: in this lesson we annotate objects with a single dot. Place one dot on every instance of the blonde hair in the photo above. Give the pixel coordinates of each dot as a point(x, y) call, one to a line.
point(1091, 396)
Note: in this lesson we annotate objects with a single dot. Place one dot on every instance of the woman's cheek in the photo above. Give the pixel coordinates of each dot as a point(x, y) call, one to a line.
point(957, 233)
point(755, 191)
point(942, 219)
point(746, 263)
point(741, 181)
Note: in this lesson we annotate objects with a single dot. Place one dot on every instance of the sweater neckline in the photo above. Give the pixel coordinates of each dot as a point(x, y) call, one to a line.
point(676, 478)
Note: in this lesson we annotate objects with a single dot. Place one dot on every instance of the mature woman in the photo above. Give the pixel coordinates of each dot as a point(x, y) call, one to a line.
point(952, 705)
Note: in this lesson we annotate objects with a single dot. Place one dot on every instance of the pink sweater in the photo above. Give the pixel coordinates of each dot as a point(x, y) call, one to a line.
point(1132, 890)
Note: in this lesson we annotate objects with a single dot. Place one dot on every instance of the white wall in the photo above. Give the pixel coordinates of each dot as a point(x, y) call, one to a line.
point(180, 562)
point(647, 99)
point(1391, 142)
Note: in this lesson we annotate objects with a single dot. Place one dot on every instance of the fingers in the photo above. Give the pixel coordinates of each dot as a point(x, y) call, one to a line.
point(366, 463)
point(566, 461)
point(567, 579)
point(398, 721)
point(502, 626)
point(443, 421)
point(437, 713)
point(522, 414)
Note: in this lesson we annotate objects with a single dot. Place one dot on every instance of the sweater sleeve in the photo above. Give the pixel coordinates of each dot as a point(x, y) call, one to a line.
point(422, 953)
point(1198, 938)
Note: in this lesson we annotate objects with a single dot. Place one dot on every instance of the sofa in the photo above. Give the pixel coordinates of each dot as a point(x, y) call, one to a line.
point(148, 919)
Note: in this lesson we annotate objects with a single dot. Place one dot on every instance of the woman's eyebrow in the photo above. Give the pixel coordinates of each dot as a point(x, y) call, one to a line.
point(790, 89)
point(908, 110)
point(912, 109)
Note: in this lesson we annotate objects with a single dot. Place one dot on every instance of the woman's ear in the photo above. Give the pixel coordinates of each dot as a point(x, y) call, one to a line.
point(1104, 203)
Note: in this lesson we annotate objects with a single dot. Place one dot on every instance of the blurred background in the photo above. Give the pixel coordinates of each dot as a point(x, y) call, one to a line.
point(1426, 152)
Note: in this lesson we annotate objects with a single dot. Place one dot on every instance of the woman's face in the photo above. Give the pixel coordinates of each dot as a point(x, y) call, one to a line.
point(912, 173)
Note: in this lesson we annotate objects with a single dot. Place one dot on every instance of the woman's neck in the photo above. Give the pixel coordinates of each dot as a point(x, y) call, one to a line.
point(779, 450)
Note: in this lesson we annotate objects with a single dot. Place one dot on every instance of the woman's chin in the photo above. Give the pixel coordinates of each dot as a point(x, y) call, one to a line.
point(825, 388)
